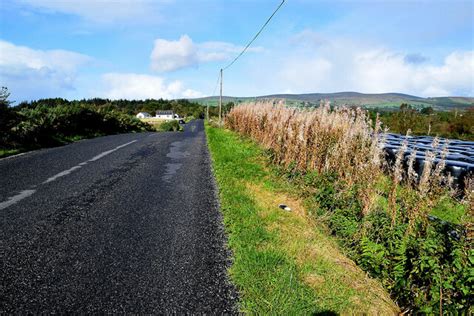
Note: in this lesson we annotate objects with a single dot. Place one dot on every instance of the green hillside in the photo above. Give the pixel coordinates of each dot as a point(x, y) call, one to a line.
point(383, 101)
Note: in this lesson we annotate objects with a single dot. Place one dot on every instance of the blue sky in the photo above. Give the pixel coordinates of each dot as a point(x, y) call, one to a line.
point(138, 49)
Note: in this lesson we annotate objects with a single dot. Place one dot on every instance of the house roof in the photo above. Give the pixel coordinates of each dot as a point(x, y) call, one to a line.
point(164, 113)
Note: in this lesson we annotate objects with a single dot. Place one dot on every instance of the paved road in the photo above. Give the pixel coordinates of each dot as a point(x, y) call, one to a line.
point(126, 223)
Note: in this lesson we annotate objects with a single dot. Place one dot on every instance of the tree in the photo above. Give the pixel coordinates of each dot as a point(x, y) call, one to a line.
point(228, 106)
point(8, 117)
point(405, 107)
point(4, 95)
point(427, 111)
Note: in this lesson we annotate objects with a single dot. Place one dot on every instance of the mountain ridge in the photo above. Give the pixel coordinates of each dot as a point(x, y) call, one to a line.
point(388, 101)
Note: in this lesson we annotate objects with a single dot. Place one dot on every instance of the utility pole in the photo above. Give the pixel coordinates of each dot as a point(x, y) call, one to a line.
point(220, 103)
point(241, 53)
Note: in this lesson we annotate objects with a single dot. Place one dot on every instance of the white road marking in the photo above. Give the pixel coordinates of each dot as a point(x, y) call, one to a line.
point(105, 153)
point(14, 156)
point(99, 156)
point(15, 199)
point(62, 174)
point(27, 193)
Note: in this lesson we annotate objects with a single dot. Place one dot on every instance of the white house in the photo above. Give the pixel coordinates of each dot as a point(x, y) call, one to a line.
point(167, 115)
point(143, 115)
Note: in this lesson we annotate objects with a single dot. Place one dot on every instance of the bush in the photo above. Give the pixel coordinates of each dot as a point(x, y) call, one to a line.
point(189, 118)
point(170, 126)
point(8, 118)
point(44, 125)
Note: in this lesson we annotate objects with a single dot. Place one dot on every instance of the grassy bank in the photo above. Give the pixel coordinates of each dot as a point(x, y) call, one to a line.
point(284, 263)
point(381, 214)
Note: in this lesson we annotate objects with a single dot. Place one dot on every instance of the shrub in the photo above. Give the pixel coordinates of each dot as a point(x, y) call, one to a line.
point(170, 126)
point(45, 125)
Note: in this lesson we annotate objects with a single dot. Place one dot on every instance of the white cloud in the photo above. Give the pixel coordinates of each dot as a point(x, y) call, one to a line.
point(141, 86)
point(28, 72)
point(221, 51)
point(174, 55)
point(385, 71)
point(21, 56)
point(31, 74)
point(102, 11)
point(189, 93)
point(319, 64)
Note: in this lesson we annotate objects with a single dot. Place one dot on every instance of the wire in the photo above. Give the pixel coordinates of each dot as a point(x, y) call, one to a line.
point(217, 83)
point(255, 37)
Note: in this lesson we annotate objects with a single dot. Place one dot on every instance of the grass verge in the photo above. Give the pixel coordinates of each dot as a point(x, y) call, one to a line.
point(9, 152)
point(283, 262)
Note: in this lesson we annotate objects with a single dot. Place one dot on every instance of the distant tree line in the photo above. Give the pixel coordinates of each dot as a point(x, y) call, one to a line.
point(452, 124)
point(183, 107)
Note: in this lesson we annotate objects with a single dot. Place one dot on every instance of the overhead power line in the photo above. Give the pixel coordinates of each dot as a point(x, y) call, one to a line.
point(255, 37)
point(239, 55)
point(213, 93)
point(217, 83)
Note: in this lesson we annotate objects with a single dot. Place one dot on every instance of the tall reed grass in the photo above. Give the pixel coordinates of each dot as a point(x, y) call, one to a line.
point(339, 141)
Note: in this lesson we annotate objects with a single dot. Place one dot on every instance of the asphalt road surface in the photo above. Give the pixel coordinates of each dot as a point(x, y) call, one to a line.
point(119, 224)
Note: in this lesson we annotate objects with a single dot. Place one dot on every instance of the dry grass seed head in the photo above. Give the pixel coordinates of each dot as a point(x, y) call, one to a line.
point(339, 141)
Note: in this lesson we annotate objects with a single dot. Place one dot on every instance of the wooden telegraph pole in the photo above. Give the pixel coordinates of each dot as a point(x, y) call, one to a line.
point(220, 103)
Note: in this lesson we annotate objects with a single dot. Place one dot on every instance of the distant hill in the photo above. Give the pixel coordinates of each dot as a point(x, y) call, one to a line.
point(382, 101)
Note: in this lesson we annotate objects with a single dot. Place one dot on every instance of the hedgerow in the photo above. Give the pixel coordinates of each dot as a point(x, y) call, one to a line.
point(42, 125)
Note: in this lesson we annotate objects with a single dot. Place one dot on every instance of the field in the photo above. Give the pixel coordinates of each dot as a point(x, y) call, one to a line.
point(412, 233)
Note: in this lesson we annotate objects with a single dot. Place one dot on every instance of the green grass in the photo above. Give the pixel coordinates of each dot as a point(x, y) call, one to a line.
point(263, 276)
point(8, 152)
point(447, 208)
point(283, 263)
point(451, 211)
